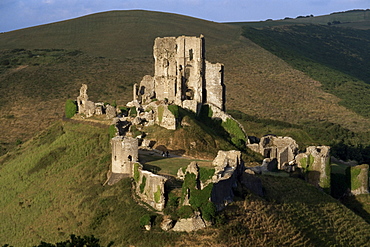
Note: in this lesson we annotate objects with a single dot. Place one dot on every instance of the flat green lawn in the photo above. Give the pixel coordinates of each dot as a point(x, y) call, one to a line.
point(168, 166)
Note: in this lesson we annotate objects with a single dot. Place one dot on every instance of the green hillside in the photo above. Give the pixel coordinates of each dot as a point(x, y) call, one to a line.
point(338, 58)
point(307, 81)
point(116, 34)
point(41, 67)
point(53, 187)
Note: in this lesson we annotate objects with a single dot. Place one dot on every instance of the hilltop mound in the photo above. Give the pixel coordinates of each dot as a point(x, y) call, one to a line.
point(116, 34)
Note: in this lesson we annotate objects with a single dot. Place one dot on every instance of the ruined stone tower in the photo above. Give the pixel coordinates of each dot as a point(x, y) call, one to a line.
point(85, 106)
point(124, 154)
point(182, 76)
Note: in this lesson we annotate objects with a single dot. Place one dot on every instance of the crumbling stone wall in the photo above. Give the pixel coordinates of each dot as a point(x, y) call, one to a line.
point(110, 111)
point(156, 112)
point(315, 163)
point(124, 154)
point(228, 167)
point(165, 117)
point(215, 87)
point(284, 149)
point(85, 106)
point(359, 179)
point(150, 187)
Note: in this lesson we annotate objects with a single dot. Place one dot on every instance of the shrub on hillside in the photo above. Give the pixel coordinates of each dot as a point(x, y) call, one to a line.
point(112, 131)
point(76, 241)
point(70, 108)
point(145, 220)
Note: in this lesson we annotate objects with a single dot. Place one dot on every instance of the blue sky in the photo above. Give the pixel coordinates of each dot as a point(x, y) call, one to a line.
point(17, 14)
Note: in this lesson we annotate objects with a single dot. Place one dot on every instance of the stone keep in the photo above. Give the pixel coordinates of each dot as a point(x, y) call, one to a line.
point(182, 75)
point(124, 154)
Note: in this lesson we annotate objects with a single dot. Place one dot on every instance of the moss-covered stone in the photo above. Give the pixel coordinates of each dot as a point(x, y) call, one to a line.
point(157, 194)
point(358, 178)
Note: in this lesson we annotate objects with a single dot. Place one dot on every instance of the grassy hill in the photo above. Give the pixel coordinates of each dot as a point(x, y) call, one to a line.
point(288, 80)
point(358, 19)
point(116, 34)
point(43, 66)
point(53, 187)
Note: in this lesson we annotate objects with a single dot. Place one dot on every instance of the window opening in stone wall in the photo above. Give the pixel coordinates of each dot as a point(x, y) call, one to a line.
point(267, 153)
point(191, 54)
point(189, 94)
point(142, 90)
point(129, 158)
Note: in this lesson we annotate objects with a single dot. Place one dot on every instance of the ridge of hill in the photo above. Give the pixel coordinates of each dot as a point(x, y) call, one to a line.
point(116, 34)
point(42, 66)
point(358, 19)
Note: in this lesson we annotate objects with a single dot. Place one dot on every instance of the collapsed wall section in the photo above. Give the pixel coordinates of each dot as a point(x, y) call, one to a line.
point(228, 167)
point(283, 149)
point(190, 62)
point(150, 187)
point(85, 107)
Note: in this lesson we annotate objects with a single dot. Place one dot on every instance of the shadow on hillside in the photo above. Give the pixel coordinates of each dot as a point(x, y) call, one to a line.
point(357, 207)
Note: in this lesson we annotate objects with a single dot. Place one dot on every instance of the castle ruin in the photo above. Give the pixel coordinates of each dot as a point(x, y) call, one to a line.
point(283, 149)
point(87, 108)
point(182, 76)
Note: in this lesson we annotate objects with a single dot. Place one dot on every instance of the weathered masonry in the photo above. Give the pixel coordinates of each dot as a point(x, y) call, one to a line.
point(182, 75)
point(124, 154)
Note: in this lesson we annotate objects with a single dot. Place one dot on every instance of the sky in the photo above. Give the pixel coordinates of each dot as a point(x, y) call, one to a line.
point(18, 14)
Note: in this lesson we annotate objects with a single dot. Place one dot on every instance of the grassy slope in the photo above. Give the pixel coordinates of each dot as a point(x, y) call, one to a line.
point(355, 19)
point(30, 87)
point(334, 56)
point(116, 34)
point(257, 82)
point(53, 187)
point(59, 173)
